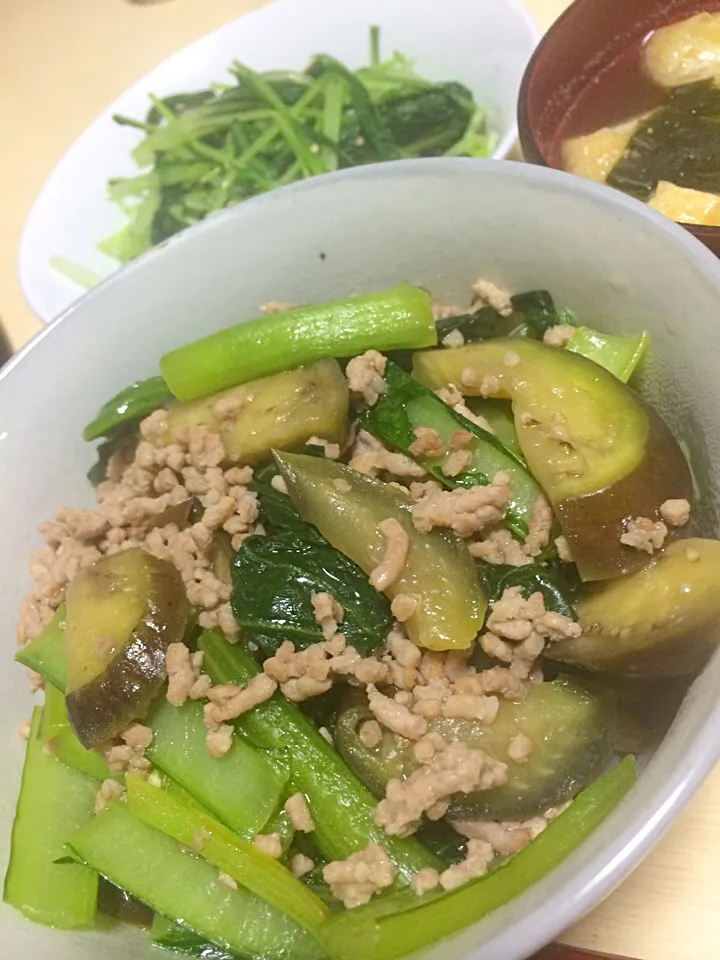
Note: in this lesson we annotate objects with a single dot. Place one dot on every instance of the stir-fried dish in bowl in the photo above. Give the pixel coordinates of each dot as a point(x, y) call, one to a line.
point(392, 550)
point(356, 644)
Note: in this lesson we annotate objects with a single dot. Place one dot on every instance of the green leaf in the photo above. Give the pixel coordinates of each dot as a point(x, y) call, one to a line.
point(407, 405)
point(274, 578)
point(130, 405)
point(277, 512)
point(532, 577)
point(533, 313)
point(373, 125)
point(427, 122)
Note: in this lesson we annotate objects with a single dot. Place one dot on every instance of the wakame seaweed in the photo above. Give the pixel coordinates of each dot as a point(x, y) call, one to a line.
point(679, 143)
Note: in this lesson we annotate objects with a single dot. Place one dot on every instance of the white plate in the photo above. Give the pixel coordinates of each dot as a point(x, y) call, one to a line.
point(482, 43)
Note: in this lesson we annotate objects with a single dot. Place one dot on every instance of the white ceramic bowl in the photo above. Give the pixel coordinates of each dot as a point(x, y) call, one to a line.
point(485, 44)
point(439, 223)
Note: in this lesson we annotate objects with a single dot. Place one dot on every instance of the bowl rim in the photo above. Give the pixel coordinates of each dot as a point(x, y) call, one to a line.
point(24, 259)
point(618, 844)
point(526, 127)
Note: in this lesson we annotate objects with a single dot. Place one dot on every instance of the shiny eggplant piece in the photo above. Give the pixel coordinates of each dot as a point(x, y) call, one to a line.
point(438, 571)
point(660, 622)
point(601, 454)
point(283, 410)
point(570, 727)
point(122, 613)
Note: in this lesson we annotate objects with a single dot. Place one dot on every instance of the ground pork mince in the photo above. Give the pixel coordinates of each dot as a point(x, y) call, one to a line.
point(518, 629)
point(356, 880)
point(644, 534)
point(397, 544)
point(456, 768)
point(465, 510)
point(144, 502)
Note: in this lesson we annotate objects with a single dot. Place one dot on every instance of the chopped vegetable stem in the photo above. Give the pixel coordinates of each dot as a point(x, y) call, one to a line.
point(54, 801)
point(240, 859)
point(341, 806)
point(76, 272)
point(374, 45)
point(165, 875)
point(398, 318)
point(288, 125)
point(332, 119)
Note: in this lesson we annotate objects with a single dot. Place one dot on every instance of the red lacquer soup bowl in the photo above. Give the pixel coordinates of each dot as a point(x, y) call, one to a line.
point(586, 74)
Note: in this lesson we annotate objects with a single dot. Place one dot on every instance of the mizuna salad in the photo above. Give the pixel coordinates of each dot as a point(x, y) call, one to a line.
point(348, 653)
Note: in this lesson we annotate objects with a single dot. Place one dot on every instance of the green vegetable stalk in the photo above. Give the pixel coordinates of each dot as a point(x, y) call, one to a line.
point(619, 355)
point(54, 801)
point(182, 940)
point(242, 789)
point(240, 859)
point(56, 730)
point(163, 874)
point(46, 653)
point(391, 927)
point(398, 318)
point(342, 807)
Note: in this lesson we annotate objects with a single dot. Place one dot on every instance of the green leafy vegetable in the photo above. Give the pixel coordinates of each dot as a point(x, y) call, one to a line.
point(46, 653)
point(205, 150)
point(65, 745)
point(533, 313)
point(160, 872)
point(79, 275)
point(54, 801)
point(277, 513)
point(407, 405)
point(372, 124)
point(242, 789)
point(98, 471)
point(532, 577)
point(181, 939)
point(127, 407)
point(240, 859)
point(274, 577)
